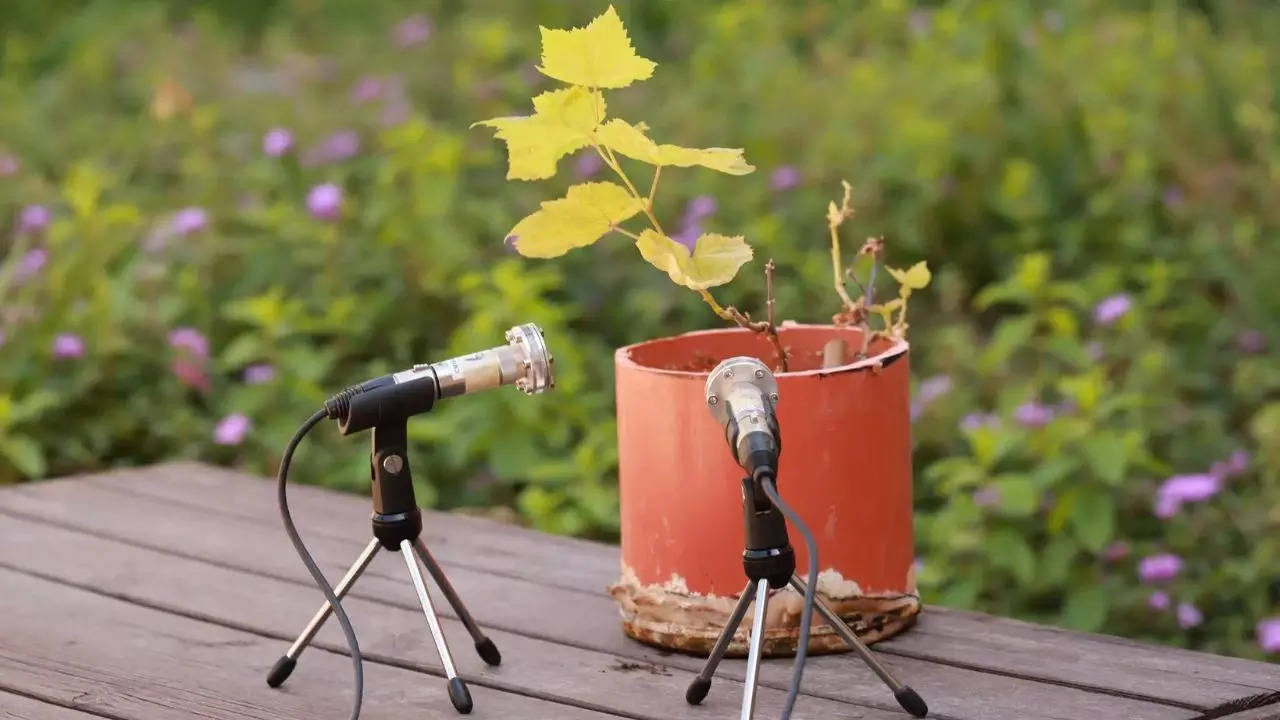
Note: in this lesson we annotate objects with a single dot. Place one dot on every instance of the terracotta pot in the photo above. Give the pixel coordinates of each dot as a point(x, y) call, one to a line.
point(845, 467)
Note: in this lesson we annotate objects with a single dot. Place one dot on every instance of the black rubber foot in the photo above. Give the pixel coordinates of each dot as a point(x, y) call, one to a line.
point(698, 690)
point(280, 671)
point(460, 696)
point(911, 701)
point(488, 652)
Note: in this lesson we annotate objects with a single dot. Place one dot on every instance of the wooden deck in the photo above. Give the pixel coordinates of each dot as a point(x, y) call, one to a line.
point(168, 593)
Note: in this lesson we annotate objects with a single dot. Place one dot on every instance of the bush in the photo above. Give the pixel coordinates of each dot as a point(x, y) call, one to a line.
point(1093, 186)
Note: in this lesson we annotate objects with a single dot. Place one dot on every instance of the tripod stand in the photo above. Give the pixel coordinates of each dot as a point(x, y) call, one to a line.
point(770, 562)
point(397, 525)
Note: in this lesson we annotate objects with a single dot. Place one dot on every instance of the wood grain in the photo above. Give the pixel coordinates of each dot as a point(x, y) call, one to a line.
point(20, 707)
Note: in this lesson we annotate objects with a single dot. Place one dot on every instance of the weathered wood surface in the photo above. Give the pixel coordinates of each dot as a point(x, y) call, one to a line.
point(169, 591)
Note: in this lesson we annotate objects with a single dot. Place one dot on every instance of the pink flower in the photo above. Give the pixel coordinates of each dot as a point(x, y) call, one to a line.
point(1252, 342)
point(9, 165)
point(67, 346)
point(1181, 489)
point(931, 388)
point(1189, 615)
point(1159, 600)
point(975, 421)
point(1159, 568)
point(587, 164)
point(189, 220)
point(190, 340)
point(1116, 551)
point(367, 89)
point(260, 373)
point(277, 142)
point(1112, 309)
point(325, 202)
point(191, 373)
point(232, 429)
point(341, 145)
point(1269, 635)
point(412, 30)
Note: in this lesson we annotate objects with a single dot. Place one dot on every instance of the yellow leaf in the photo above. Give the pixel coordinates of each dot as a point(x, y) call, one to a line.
point(581, 217)
point(627, 139)
point(916, 278)
point(714, 261)
point(562, 122)
point(887, 308)
point(599, 55)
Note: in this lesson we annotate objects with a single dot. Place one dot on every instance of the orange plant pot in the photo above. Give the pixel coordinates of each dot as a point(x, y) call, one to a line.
point(845, 467)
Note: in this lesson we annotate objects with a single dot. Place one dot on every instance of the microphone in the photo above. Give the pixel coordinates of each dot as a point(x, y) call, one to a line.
point(524, 362)
point(742, 394)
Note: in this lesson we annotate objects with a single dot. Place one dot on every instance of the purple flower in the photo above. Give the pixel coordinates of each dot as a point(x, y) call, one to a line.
point(785, 178)
point(700, 207)
point(1269, 635)
point(1172, 197)
point(34, 219)
point(1189, 615)
point(1033, 414)
point(189, 220)
point(977, 420)
point(9, 165)
point(1094, 350)
point(1181, 489)
point(1159, 568)
point(341, 145)
point(919, 22)
point(931, 389)
point(325, 202)
point(587, 164)
point(68, 345)
point(1159, 600)
point(1112, 309)
point(986, 496)
point(260, 373)
point(277, 141)
point(1252, 342)
point(3, 338)
point(232, 429)
point(412, 30)
point(367, 89)
point(32, 263)
point(1053, 21)
point(190, 340)
point(688, 236)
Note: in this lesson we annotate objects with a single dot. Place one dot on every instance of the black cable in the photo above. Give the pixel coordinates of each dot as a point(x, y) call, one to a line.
point(806, 615)
point(314, 569)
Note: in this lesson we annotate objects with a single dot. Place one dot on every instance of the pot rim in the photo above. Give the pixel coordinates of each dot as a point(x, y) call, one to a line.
point(622, 356)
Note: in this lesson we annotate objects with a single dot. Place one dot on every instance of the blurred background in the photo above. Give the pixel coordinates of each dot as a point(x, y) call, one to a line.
point(215, 214)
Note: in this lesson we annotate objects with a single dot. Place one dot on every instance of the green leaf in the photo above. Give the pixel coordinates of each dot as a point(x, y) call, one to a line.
point(1009, 550)
point(25, 454)
point(1106, 455)
point(916, 277)
point(580, 218)
point(1086, 608)
point(1093, 517)
point(714, 261)
point(1055, 562)
point(562, 122)
point(1018, 496)
point(598, 55)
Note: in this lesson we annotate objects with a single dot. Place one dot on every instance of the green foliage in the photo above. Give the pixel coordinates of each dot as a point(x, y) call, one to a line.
point(1041, 161)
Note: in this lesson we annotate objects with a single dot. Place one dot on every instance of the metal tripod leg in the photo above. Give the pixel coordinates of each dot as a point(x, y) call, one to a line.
point(753, 651)
point(910, 701)
point(701, 684)
point(458, 693)
point(484, 646)
point(284, 666)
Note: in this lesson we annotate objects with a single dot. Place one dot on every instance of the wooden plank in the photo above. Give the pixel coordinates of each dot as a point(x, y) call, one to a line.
point(20, 707)
point(654, 684)
point(273, 611)
point(1269, 712)
point(122, 660)
point(962, 638)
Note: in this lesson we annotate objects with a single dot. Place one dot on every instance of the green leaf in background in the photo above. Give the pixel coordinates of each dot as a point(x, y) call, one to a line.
point(24, 453)
point(1008, 549)
point(1086, 608)
point(1093, 516)
point(1055, 562)
point(1018, 496)
point(1106, 455)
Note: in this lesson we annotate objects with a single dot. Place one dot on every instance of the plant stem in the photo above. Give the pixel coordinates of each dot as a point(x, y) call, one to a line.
point(653, 187)
point(836, 265)
point(628, 233)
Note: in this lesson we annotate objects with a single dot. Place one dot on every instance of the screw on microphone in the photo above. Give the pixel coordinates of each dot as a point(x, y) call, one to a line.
point(742, 394)
point(523, 362)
